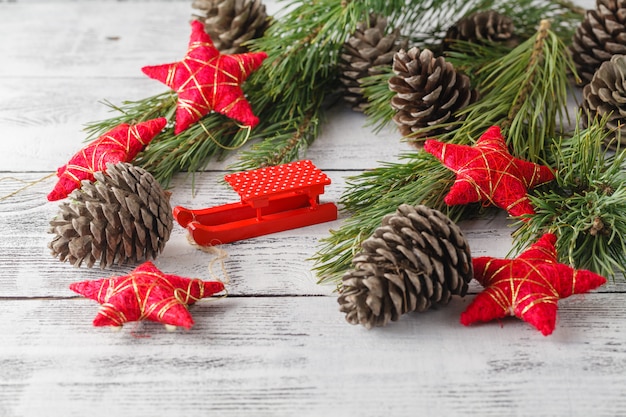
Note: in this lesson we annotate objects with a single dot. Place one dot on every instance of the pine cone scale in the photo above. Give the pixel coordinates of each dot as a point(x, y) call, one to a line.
point(369, 51)
point(123, 217)
point(408, 264)
point(230, 23)
point(429, 92)
point(600, 35)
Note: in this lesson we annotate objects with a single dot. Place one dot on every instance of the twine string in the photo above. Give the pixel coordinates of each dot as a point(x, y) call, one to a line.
point(220, 256)
point(221, 145)
point(25, 187)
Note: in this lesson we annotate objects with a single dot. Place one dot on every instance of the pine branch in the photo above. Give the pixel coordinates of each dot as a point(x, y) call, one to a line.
point(471, 58)
point(425, 23)
point(535, 70)
point(532, 76)
point(131, 112)
point(303, 48)
point(300, 75)
point(563, 15)
point(571, 7)
point(296, 79)
point(466, 57)
point(525, 92)
point(545, 83)
point(192, 149)
point(376, 193)
point(286, 142)
point(167, 154)
point(378, 95)
point(585, 206)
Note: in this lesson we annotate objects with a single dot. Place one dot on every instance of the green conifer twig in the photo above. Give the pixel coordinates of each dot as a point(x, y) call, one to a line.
point(370, 196)
point(586, 204)
point(423, 179)
point(293, 84)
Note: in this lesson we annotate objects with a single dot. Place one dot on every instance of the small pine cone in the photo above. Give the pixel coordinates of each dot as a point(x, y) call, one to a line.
point(417, 258)
point(600, 35)
point(367, 52)
point(429, 91)
point(122, 217)
point(482, 26)
point(605, 95)
point(232, 22)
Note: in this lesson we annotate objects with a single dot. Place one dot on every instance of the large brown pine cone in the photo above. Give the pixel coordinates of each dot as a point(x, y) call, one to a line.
point(429, 93)
point(232, 22)
point(369, 51)
point(600, 35)
point(605, 95)
point(417, 258)
point(122, 217)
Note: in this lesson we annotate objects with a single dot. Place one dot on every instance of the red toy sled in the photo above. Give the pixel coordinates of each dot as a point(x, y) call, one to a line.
point(273, 199)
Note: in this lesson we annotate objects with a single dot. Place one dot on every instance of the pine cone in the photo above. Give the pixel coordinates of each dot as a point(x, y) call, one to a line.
point(232, 22)
point(429, 91)
point(605, 95)
point(482, 26)
point(125, 216)
point(367, 52)
point(600, 35)
point(417, 258)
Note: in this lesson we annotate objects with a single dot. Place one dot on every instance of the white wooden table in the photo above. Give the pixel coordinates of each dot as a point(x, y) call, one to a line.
point(277, 345)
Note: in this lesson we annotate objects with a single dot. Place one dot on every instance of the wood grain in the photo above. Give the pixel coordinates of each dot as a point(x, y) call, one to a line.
point(277, 346)
point(277, 356)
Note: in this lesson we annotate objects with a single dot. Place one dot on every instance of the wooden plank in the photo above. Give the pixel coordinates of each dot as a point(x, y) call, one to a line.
point(272, 264)
point(278, 345)
point(94, 39)
point(288, 356)
point(276, 264)
point(94, 51)
point(42, 121)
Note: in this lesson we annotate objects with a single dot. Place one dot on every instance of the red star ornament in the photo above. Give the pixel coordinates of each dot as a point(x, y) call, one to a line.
point(206, 80)
point(488, 172)
point(120, 144)
point(146, 294)
point(527, 287)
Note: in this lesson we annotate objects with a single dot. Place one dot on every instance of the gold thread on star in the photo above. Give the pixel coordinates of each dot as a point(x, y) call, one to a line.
point(146, 294)
point(527, 287)
point(488, 173)
point(207, 81)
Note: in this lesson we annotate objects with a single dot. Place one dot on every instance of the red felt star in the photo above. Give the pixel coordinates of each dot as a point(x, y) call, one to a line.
point(146, 294)
point(527, 287)
point(488, 172)
point(205, 80)
point(120, 144)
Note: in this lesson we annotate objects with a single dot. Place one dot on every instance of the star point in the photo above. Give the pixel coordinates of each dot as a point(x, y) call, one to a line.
point(146, 294)
point(120, 144)
point(527, 287)
point(488, 172)
point(206, 81)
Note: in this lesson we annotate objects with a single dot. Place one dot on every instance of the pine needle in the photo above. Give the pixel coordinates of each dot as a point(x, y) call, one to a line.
point(586, 204)
point(376, 193)
point(524, 91)
point(299, 77)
